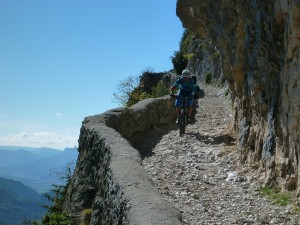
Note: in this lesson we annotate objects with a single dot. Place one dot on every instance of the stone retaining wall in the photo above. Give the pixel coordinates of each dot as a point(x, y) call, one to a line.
point(109, 185)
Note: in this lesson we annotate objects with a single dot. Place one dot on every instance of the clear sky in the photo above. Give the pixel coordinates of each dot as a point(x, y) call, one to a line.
point(61, 60)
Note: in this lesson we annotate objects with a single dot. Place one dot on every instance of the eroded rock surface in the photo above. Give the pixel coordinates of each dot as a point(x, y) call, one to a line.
point(259, 46)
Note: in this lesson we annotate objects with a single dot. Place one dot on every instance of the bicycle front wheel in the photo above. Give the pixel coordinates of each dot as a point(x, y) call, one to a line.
point(182, 123)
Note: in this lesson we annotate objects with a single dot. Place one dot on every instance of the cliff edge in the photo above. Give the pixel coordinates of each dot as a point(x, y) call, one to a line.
point(109, 185)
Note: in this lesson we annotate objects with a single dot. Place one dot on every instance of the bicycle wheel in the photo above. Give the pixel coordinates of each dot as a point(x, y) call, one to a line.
point(182, 122)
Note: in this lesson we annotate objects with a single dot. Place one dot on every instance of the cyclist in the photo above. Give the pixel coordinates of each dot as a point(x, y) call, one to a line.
point(186, 85)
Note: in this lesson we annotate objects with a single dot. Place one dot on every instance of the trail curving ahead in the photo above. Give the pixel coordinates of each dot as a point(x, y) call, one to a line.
point(192, 171)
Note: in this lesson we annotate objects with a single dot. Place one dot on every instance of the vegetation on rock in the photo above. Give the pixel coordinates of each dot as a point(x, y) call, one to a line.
point(56, 213)
point(131, 90)
point(181, 57)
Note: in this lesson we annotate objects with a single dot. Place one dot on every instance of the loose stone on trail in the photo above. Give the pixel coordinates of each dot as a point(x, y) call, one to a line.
point(199, 175)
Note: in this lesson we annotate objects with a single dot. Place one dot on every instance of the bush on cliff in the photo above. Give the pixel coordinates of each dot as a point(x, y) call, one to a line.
point(179, 62)
point(130, 91)
point(125, 89)
point(137, 94)
point(159, 90)
point(56, 213)
point(180, 58)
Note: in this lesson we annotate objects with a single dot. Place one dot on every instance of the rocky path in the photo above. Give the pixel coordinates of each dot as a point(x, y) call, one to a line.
point(197, 172)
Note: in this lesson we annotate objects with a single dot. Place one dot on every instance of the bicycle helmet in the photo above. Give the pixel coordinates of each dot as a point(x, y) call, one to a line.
point(186, 73)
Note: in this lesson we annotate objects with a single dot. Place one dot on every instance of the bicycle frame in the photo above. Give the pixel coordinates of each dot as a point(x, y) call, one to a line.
point(183, 112)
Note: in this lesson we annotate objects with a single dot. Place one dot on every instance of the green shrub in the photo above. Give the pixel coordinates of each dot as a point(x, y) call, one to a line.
point(214, 56)
point(137, 95)
point(125, 89)
point(227, 92)
point(208, 78)
point(277, 197)
point(179, 62)
point(130, 91)
point(180, 58)
point(223, 80)
point(87, 212)
point(56, 214)
point(86, 216)
point(159, 90)
point(54, 218)
point(30, 222)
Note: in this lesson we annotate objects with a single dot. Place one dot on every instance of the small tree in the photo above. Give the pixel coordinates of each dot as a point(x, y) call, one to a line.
point(124, 90)
point(56, 213)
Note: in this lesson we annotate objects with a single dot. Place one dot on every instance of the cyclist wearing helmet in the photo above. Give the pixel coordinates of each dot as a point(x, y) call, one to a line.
point(186, 85)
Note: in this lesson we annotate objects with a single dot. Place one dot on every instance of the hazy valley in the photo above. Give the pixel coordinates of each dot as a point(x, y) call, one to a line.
point(25, 175)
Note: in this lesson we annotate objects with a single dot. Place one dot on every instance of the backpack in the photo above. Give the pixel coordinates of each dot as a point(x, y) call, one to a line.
point(199, 93)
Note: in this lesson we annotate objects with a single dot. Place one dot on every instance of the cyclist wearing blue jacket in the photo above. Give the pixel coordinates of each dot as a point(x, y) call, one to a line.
point(186, 86)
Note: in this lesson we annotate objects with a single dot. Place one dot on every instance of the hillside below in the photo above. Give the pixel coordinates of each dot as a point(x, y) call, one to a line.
point(19, 202)
point(200, 175)
point(38, 168)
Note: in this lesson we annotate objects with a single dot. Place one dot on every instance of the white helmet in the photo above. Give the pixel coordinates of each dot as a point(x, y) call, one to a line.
point(186, 73)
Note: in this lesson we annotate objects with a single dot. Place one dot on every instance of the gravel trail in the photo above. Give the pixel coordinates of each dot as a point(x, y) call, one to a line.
point(197, 173)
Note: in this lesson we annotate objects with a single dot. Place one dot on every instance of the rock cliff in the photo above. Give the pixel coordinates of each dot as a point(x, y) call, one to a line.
point(259, 46)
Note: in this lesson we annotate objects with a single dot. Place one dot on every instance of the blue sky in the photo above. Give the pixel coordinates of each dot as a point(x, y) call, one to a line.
point(61, 61)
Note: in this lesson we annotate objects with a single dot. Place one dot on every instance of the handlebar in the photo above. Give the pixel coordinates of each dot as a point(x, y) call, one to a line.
point(181, 97)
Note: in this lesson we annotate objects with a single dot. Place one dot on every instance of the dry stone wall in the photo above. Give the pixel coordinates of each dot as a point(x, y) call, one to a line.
point(109, 180)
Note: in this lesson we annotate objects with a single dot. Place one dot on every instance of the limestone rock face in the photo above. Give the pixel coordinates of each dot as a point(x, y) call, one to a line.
point(151, 79)
point(205, 63)
point(259, 44)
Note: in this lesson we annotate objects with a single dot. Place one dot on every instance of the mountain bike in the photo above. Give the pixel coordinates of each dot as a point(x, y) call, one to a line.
point(183, 112)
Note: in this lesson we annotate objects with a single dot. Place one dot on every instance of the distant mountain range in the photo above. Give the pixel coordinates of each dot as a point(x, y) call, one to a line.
point(19, 202)
point(37, 168)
